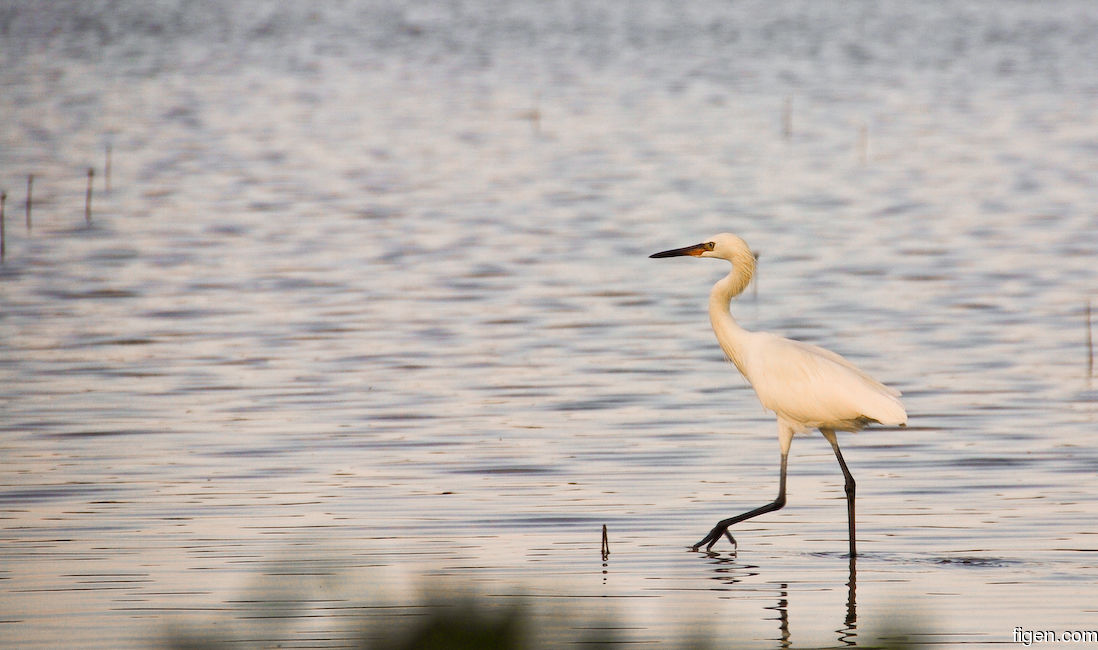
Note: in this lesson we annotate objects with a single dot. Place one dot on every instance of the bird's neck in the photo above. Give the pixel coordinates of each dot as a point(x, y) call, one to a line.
point(729, 333)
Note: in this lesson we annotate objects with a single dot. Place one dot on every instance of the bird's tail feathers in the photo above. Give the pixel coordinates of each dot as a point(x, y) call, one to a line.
point(889, 410)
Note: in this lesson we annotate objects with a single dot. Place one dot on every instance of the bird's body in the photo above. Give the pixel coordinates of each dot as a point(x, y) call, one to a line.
point(807, 387)
point(811, 388)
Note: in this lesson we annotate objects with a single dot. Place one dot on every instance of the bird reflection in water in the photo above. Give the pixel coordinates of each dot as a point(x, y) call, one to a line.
point(729, 572)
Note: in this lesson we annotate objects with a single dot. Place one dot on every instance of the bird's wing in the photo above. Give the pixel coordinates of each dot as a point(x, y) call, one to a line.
point(817, 351)
point(814, 387)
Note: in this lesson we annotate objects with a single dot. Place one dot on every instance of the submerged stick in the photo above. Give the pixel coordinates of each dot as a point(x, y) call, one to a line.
point(3, 199)
point(30, 185)
point(755, 279)
point(88, 198)
point(605, 544)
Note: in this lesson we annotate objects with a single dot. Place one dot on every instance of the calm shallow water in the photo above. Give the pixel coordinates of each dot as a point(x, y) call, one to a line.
point(368, 310)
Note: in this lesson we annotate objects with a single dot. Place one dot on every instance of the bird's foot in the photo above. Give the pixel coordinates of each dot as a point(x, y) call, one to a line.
point(714, 536)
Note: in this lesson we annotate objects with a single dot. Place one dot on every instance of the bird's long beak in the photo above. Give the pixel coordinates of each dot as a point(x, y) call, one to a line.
point(696, 250)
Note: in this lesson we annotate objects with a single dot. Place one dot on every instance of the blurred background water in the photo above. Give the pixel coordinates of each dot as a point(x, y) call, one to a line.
point(367, 308)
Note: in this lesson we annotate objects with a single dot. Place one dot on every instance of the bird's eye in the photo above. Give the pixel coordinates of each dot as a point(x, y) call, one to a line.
point(710, 245)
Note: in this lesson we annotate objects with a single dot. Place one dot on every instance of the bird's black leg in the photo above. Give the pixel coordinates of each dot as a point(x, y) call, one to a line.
point(848, 488)
point(722, 526)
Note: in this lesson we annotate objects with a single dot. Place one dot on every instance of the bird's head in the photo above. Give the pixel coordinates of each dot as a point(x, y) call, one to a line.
point(725, 246)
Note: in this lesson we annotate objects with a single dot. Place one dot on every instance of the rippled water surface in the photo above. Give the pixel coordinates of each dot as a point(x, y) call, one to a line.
point(367, 310)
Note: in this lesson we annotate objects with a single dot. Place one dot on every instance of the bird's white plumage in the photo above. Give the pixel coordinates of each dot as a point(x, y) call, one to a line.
point(806, 386)
point(810, 387)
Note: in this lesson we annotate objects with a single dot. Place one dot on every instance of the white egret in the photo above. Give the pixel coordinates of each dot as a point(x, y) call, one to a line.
point(806, 386)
